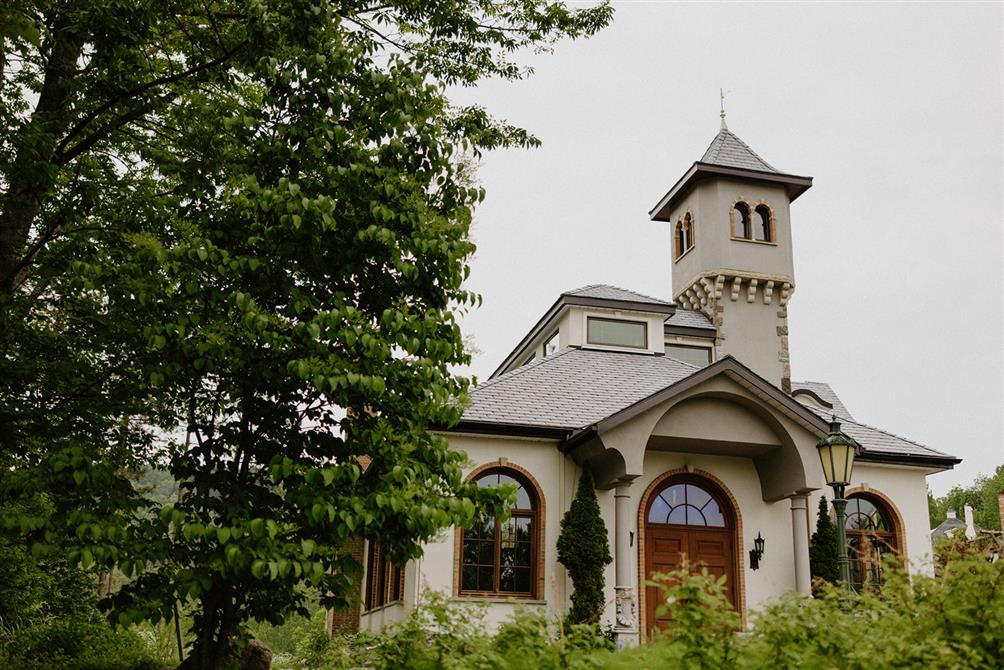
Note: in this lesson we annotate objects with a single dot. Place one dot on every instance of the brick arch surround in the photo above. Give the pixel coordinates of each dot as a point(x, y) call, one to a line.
point(458, 533)
point(657, 485)
point(899, 530)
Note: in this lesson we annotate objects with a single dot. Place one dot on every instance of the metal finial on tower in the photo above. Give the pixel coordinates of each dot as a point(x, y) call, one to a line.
point(721, 94)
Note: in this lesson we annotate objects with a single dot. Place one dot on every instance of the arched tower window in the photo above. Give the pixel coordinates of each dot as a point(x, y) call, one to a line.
point(679, 241)
point(688, 232)
point(500, 558)
point(871, 536)
point(761, 224)
point(741, 227)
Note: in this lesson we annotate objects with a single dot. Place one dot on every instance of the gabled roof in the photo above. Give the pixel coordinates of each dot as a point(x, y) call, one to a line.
point(575, 392)
point(946, 526)
point(727, 149)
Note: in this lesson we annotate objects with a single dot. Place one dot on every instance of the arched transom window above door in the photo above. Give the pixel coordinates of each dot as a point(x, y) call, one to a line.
point(686, 504)
point(500, 558)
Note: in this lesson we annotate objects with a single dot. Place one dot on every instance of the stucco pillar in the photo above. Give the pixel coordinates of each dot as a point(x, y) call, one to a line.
point(626, 622)
point(800, 537)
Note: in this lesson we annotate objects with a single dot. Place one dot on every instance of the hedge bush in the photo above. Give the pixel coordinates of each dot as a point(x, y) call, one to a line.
point(954, 622)
point(74, 643)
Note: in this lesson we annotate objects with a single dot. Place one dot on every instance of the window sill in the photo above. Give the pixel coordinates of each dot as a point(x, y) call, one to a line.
point(743, 239)
point(396, 603)
point(684, 254)
point(505, 600)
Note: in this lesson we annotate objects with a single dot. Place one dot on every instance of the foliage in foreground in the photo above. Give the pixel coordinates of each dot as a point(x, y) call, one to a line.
point(233, 240)
point(74, 643)
point(584, 551)
point(953, 622)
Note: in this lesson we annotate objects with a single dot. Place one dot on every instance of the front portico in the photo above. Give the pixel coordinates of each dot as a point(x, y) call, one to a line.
point(729, 434)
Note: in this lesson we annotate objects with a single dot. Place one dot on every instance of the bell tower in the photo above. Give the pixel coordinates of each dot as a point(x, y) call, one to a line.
point(731, 251)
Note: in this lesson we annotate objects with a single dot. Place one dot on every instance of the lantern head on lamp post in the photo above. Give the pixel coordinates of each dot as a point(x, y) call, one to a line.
point(836, 454)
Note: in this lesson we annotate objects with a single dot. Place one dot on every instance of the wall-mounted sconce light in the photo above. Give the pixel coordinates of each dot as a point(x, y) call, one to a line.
point(756, 553)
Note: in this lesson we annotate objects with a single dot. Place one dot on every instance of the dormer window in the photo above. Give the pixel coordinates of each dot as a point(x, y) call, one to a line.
point(762, 224)
point(617, 332)
point(551, 344)
point(741, 228)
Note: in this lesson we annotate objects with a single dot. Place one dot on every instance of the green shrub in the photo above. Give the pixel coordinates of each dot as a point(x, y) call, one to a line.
point(953, 622)
point(824, 548)
point(584, 551)
point(75, 644)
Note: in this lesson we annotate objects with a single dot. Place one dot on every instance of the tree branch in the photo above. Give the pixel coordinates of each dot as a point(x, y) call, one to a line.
point(108, 105)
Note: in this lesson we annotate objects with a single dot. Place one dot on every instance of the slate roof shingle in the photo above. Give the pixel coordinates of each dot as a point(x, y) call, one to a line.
point(690, 318)
point(826, 392)
point(607, 292)
point(728, 150)
point(573, 388)
point(576, 388)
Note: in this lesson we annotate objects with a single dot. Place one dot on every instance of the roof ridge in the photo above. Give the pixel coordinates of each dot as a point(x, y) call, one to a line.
point(619, 288)
point(897, 436)
point(750, 149)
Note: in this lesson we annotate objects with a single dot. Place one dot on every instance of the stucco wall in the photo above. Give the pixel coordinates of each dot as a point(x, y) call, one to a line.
point(557, 476)
point(710, 204)
point(554, 473)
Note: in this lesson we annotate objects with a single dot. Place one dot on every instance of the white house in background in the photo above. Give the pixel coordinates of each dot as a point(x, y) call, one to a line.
point(687, 417)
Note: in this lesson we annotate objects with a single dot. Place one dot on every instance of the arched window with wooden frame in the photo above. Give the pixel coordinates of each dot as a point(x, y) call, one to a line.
point(501, 558)
point(678, 240)
point(763, 228)
point(688, 232)
point(741, 224)
point(872, 536)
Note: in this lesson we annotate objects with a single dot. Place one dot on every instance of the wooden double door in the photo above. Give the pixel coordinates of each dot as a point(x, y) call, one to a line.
point(688, 520)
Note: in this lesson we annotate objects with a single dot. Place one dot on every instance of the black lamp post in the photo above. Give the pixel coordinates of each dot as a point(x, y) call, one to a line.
point(836, 453)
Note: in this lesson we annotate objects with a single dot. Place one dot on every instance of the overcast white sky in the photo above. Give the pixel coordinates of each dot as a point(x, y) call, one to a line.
point(895, 110)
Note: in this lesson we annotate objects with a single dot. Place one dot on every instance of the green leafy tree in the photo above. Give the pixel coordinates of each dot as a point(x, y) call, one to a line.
point(584, 550)
point(233, 236)
point(824, 547)
point(981, 495)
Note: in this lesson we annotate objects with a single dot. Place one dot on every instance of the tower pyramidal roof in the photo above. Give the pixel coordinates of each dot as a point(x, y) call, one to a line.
point(728, 157)
point(728, 150)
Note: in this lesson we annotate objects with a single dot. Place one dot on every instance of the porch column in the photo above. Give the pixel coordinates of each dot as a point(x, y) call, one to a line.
point(800, 537)
point(626, 623)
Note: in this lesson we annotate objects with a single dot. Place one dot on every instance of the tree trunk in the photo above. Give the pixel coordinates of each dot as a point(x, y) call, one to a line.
point(34, 170)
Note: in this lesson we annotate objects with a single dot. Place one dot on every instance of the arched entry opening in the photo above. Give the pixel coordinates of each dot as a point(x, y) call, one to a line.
point(688, 517)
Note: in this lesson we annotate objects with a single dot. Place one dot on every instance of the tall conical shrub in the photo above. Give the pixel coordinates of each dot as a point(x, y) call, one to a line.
point(584, 551)
point(824, 547)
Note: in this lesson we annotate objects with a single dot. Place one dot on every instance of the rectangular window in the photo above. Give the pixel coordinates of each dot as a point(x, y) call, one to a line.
point(384, 581)
point(617, 332)
point(699, 356)
point(551, 345)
